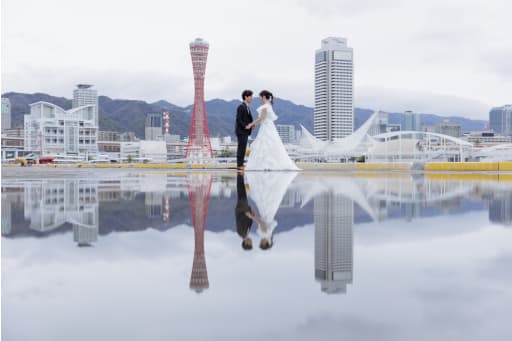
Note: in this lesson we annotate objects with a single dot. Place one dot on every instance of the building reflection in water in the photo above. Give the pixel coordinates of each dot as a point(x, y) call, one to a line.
point(50, 204)
point(199, 185)
point(500, 209)
point(153, 203)
point(6, 215)
point(138, 202)
point(333, 218)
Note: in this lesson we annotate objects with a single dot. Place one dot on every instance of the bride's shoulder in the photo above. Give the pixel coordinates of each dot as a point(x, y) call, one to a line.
point(263, 106)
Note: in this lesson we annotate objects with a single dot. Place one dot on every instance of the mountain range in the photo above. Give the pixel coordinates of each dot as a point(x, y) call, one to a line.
point(128, 115)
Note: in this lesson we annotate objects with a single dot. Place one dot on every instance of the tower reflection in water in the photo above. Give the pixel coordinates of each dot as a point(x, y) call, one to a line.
point(334, 219)
point(199, 195)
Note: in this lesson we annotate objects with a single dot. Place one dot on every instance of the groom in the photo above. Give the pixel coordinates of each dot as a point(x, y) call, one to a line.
point(243, 213)
point(243, 118)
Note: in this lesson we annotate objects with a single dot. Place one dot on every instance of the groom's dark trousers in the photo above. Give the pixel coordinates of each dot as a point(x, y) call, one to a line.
point(243, 118)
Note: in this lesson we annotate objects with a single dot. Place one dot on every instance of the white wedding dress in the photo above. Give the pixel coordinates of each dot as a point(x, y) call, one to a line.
point(267, 190)
point(267, 150)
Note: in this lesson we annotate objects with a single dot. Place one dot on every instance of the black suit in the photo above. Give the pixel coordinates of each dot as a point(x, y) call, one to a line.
point(243, 222)
point(243, 118)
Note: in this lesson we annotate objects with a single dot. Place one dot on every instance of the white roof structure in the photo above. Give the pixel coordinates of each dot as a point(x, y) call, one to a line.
point(390, 146)
point(353, 143)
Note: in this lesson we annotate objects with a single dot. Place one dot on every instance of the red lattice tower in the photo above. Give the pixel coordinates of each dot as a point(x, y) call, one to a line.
point(199, 147)
point(199, 186)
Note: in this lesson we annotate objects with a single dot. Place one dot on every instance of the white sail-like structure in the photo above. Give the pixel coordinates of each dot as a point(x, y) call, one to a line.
point(405, 146)
point(355, 143)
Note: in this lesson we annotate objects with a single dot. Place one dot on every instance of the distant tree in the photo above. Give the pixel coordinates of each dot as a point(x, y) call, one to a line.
point(129, 158)
point(226, 153)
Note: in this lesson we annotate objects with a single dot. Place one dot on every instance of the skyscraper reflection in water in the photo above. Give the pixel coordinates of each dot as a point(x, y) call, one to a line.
point(199, 185)
point(334, 219)
point(500, 209)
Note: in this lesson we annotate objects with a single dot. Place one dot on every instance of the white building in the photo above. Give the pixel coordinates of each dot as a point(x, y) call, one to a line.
point(334, 90)
point(176, 150)
point(380, 125)
point(6, 113)
point(334, 218)
point(286, 132)
point(215, 142)
point(449, 128)
point(487, 138)
point(83, 95)
point(173, 138)
point(150, 151)
point(59, 132)
point(412, 121)
point(500, 119)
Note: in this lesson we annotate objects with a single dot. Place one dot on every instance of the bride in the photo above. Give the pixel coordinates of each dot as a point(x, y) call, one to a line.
point(267, 150)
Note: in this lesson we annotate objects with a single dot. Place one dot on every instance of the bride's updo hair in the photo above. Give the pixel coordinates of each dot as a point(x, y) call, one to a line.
point(268, 95)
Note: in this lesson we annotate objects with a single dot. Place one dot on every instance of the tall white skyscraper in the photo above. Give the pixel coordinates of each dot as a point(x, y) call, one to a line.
point(6, 113)
point(334, 218)
point(84, 95)
point(334, 90)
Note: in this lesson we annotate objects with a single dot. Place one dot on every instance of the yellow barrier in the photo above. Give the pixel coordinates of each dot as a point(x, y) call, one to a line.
point(462, 166)
point(383, 166)
point(326, 166)
point(505, 177)
point(505, 166)
point(462, 176)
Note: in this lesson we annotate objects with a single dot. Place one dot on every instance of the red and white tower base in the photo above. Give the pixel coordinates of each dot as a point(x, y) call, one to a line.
point(199, 148)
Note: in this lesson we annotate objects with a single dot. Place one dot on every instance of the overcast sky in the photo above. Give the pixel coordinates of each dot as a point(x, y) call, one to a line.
point(437, 56)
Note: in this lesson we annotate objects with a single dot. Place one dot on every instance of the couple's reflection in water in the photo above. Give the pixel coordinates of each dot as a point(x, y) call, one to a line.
point(333, 220)
point(267, 191)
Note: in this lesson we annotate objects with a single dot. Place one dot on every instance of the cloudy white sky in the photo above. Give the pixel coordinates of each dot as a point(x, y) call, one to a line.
point(437, 56)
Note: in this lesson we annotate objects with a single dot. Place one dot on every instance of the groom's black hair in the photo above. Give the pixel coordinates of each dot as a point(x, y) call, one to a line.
point(246, 93)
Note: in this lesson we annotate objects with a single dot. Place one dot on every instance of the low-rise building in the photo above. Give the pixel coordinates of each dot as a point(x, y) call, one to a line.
point(51, 130)
point(12, 143)
point(176, 150)
point(487, 138)
point(449, 128)
point(143, 151)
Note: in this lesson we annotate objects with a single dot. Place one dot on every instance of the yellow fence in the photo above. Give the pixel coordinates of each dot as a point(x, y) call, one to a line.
point(503, 166)
point(468, 166)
